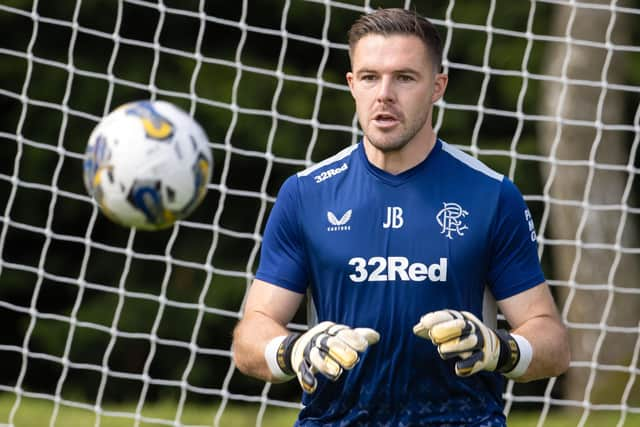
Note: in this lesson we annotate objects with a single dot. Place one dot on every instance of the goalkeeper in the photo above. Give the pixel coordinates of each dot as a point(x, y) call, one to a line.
point(406, 247)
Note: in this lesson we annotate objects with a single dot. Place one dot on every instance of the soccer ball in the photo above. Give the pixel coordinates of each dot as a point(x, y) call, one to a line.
point(147, 164)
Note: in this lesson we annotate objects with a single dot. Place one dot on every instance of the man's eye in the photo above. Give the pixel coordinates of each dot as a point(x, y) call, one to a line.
point(368, 77)
point(405, 78)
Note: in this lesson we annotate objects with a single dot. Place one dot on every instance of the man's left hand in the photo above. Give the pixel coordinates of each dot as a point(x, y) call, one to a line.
point(461, 334)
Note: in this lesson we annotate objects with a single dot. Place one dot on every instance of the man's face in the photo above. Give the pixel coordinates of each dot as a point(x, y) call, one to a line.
point(394, 86)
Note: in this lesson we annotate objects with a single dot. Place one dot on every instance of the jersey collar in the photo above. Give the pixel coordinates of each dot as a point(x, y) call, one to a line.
point(401, 178)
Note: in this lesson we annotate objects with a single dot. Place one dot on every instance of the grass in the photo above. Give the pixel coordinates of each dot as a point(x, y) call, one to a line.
point(38, 413)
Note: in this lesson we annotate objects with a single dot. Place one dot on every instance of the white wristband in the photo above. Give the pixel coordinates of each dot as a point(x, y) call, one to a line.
point(271, 356)
point(526, 354)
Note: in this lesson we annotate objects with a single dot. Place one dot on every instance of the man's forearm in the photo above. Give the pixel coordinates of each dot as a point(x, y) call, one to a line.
point(548, 338)
point(250, 338)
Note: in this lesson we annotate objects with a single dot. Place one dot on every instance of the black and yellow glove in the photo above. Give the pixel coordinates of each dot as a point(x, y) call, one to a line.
point(461, 334)
point(327, 348)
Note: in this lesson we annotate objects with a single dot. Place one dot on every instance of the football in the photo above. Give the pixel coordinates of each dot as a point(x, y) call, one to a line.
point(147, 164)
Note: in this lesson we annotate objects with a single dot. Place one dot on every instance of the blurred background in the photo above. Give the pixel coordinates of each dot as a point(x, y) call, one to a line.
point(95, 314)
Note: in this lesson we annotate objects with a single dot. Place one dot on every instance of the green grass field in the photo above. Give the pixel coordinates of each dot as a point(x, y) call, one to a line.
point(38, 413)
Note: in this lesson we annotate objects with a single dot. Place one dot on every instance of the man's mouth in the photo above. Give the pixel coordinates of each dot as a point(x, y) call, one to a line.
point(385, 119)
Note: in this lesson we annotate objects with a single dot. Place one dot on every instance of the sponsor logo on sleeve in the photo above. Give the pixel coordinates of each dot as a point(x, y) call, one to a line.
point(532, 228)
point(329, 173)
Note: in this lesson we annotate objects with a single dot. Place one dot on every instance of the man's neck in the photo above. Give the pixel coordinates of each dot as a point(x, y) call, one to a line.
point(397, 161)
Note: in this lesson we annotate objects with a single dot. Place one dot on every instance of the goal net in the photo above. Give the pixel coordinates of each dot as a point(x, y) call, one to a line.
point(104, 324)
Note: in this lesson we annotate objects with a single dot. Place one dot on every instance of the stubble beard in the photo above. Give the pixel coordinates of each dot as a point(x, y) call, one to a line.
point(388, 143)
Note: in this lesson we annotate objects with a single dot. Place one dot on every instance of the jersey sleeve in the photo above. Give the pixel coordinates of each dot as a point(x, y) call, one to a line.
point(282, 259)
point(514, 265)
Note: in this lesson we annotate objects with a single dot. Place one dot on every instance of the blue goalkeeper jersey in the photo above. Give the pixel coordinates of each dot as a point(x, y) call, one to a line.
point(380, 250)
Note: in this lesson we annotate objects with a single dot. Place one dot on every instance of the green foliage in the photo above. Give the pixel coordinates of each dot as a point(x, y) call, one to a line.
point(119, 291)
point(233, 90)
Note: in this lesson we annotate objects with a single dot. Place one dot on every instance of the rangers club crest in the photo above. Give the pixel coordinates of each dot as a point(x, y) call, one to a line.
point(450, 219)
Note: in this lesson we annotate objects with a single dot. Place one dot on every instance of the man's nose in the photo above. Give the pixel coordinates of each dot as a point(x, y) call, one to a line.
point(385, 90)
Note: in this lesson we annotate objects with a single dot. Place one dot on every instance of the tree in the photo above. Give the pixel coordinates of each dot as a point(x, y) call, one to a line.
point(590, 187)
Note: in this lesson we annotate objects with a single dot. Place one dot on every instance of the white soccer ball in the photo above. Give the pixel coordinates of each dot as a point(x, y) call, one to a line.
point(147, 164)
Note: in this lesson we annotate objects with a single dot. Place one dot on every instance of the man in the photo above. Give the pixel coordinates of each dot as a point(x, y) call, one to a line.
point(405, 243)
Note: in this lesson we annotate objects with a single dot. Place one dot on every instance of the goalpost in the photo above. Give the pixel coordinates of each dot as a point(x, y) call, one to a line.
point(544, 91)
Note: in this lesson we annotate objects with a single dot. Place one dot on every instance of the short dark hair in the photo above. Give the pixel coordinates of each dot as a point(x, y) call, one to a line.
point(398, 21)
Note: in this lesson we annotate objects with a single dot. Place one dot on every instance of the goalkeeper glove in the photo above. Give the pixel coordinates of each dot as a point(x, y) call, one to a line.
point(461, 334)
point(327, 348)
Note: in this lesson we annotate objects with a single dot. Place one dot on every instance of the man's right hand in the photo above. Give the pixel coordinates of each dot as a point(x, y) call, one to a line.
point(328, 348)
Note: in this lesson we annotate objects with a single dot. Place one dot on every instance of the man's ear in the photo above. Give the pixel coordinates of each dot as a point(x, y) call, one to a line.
point(439, 86)
point(350, 78)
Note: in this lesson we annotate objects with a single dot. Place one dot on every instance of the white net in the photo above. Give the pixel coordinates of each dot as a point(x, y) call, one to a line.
point(101, 323)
